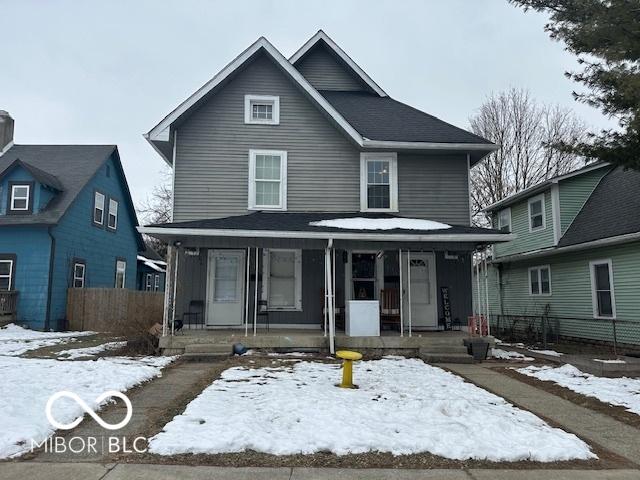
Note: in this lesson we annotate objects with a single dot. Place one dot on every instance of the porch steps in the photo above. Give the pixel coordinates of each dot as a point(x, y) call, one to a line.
point(445, 354)
point(199, 352)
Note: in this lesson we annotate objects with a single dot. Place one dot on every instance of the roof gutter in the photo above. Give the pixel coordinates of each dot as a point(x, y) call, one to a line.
point(603, 242)
point(388, 237)
point(158, 151)
point(483, 147)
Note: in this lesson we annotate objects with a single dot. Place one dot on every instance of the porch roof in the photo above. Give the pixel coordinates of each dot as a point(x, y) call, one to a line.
point(299, 225)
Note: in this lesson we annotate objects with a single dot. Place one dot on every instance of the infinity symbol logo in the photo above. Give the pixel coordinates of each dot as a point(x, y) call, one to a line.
point(87, 409)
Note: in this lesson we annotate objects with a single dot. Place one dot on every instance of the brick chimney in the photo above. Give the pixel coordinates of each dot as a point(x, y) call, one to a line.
point(6, 130)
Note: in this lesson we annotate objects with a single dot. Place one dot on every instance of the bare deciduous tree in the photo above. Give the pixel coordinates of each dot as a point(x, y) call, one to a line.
point(157, 209)
point(527, 133)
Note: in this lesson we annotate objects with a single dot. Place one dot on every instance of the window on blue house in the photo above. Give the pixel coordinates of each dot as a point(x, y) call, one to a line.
point(79, 270)
point(6, 273)
point(121, 268)
point(149, 279)
point(20, 201)
point(98, 208)
point(112, 221)
point(156, 285)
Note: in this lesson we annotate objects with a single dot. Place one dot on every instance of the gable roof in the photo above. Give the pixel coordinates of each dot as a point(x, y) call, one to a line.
point(161, 139)
point(613, 209)
point(40, 175)
point(71, 167)
point(322, 39)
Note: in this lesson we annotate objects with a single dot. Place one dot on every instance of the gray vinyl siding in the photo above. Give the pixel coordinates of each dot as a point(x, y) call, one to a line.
point(434, 187)
point(211, 171)
point(325, 72)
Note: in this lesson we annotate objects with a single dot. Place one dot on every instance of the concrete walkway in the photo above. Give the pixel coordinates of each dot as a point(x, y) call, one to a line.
point(150, 402)
point(592, 426)
point(130, 471)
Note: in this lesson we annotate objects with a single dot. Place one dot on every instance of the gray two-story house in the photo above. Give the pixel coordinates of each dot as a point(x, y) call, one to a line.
point(304, 195)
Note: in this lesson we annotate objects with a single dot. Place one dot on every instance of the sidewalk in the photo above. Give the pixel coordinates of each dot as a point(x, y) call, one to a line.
point(131, 471)
point(592, 426)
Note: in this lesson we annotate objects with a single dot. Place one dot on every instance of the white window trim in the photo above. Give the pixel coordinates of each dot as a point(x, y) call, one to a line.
point(252, 180)
point(392, 157)
point(124, 274)
point(156, 282)
point(10, 262)
point(95, 207)
point(273, 100)
point(508, 210)
point(148, 282)
point(266, 270)
point(114, 214)
point(82, 278)
point(544, 213)
point(538, 269)
point(14, 198)
point(594, 295)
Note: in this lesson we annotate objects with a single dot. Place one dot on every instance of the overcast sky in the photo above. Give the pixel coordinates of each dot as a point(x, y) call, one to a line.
point(106, 72)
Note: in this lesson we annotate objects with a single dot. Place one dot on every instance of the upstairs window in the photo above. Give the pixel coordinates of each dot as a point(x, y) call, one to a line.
point(121, 268)
point(20, 201)
point(378, 182)
point(112, 221)
point(267, 180)
point(7, 267)
point(540, 280)
point(604, 305)
point(537, 217)
point(504, 220)
point(98, 208)
point(79, 270)
point(262, 109)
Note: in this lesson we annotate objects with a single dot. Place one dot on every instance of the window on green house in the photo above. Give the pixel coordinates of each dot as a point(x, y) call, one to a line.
point(604, 305)
point(537, 219)
point(504, 220)
point(540, 280)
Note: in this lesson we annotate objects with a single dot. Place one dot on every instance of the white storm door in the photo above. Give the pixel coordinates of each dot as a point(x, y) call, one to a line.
point(225, 287)
point(422, 290)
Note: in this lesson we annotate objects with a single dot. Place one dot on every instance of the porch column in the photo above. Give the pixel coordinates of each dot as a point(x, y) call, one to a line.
point(329, 279)
point(401, 294)
point(175, 288)
point(255, 300)
point(325, 310)
point(167, 291)
point(409, 286)
point(486, 290)
point(246, 293)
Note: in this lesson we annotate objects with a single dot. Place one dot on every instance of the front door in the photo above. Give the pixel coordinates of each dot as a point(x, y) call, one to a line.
point(421, 290)
point(225, 287)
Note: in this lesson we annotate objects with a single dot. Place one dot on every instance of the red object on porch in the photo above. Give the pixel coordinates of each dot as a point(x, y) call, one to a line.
point(478, 325)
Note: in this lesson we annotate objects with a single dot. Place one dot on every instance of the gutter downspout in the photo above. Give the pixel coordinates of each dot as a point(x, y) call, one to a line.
point(52, 254)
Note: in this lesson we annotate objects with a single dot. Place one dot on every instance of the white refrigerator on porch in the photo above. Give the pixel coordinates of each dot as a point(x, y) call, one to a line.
point(363, 318)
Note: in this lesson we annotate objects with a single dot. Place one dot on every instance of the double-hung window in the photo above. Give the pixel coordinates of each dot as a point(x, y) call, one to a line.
point(540, 280)
point(79, 273)
point(121, 268)
point(603, 298)
point(283, 272)
point(148, 280)
point(20, 198)
point(378, 182)
point(7, 267)
point(537, 216)
point(504, 220)
point(262, 109)
point(112, 219)
point(98, 208)
point(156, 284)
point(267, 180)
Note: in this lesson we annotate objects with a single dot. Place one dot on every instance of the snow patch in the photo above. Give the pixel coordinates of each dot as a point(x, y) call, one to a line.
point(608, 361)
point(509, 355)
point(403, 406)
point(15, 340)
point(360, 223)
point(550, 353)
point(623, 392)
point(74, 353)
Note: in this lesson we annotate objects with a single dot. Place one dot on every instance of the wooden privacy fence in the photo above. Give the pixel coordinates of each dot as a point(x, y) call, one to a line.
point(115, 310)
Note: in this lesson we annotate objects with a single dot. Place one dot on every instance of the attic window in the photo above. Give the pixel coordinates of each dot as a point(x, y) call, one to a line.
point(112, 221)
point(98, 208)
point(262, 109)
point(20, 201)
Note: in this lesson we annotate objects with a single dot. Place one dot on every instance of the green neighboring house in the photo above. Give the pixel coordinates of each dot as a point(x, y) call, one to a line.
point(576, 257)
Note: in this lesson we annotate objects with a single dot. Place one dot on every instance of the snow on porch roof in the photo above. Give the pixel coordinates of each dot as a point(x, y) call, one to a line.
point(355, 226)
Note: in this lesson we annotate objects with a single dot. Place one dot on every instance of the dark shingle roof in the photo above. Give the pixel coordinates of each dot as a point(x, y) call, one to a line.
point(383, 118)
point(299, 222)
point(40, 175)
point(613, 209)
point(71, 166)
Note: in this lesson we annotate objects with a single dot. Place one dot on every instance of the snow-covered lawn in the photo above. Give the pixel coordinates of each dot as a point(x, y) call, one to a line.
point(403, 406)
point(85, 352)
point(624, 392)
point(27, 384)
point(15, 340)
point(509, 355)
point(550, 353)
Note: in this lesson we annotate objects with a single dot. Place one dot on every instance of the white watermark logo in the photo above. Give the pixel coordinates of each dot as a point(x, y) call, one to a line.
point(87, 409)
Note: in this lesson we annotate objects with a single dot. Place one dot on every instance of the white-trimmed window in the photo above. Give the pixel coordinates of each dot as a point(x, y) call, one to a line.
point(267, 180)
point(6, 274)
point(20, 201)
point(540, 280)
point(262, 109)
point(79, 271)
point(156, 283)
point(504, 220)
point(537, 215)
point(602, 294)
point(112, 219)
point(121, 269)
point(282, 279)
point(379, 182)
point(98, 208)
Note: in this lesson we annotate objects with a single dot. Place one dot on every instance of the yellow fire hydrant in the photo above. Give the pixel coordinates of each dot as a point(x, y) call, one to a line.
point(348, 358)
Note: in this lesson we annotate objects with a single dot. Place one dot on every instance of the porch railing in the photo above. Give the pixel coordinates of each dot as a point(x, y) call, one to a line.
point(8, 302)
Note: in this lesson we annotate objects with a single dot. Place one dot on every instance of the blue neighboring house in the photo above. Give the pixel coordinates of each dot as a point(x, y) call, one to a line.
point(66, 221)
